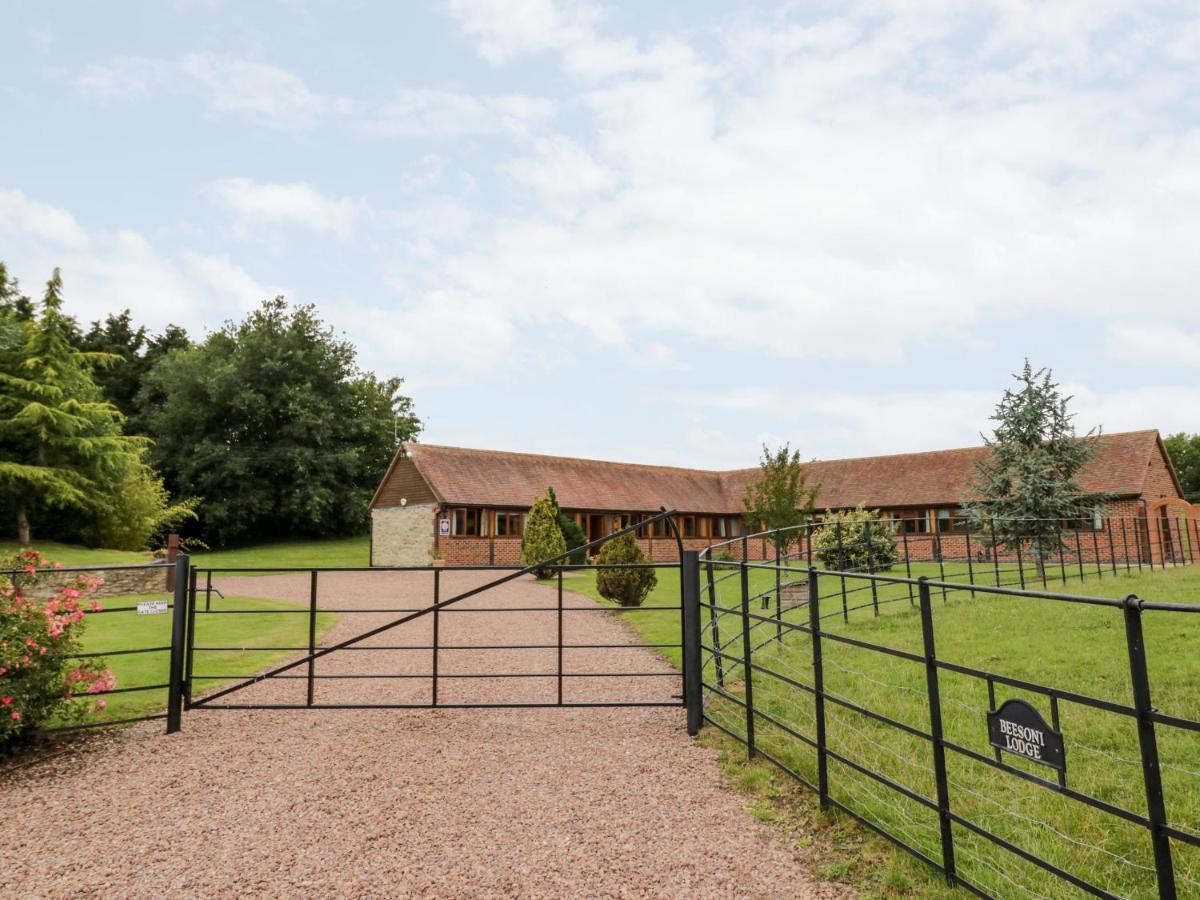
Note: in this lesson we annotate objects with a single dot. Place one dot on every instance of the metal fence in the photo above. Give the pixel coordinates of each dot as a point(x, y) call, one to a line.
point(152, 686)
point(1010, 742)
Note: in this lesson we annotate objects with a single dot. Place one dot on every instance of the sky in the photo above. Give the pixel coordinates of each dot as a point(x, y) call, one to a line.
point(662, 232)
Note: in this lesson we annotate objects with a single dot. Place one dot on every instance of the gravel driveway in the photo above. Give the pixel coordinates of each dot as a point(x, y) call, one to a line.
point(455, 802)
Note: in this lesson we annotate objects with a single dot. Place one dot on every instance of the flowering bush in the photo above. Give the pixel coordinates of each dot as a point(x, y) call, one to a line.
point(37, 682)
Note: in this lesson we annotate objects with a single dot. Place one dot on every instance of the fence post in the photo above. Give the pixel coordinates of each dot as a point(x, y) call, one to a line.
point(1151, 775)
point(935, 730)
point(746, 671)
point(312, 634)
point(814, 622)
point(172, 555)
point(692, 697)
point(178, 635)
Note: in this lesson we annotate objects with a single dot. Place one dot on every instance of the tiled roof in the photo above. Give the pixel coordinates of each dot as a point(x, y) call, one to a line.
point(496, 478)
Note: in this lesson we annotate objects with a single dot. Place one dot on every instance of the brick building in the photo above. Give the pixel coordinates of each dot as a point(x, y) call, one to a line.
point(469, 505)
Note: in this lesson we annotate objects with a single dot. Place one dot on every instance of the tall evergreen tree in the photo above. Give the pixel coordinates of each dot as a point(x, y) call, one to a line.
point(780, 500)
point(1029, 482)
point(60, 441)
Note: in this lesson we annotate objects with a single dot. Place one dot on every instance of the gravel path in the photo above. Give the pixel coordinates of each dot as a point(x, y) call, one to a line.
point(383, 803)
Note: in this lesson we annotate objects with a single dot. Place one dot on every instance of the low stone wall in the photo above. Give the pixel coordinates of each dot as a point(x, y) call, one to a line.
point(118, 580)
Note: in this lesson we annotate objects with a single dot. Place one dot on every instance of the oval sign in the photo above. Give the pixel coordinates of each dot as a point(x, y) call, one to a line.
point(1016, 727)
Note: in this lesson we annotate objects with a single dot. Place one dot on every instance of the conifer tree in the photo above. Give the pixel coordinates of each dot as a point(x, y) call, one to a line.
point(60, 441)
point(543, 539)
point(1029, 483)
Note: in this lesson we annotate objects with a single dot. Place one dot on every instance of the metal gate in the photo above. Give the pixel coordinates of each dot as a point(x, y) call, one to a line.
point(429, 637)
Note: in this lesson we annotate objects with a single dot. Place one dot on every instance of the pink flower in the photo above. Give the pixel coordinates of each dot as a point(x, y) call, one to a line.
point(6, 701)
point(16, 715)
point(101, 704)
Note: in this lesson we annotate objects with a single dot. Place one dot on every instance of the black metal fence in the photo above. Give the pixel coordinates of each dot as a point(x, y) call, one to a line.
point(1010, 742)
point(430, 652)
point(144, 695)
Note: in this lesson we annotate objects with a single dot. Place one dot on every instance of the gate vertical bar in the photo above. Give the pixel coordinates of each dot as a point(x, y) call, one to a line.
point(1112, 550)
point(712, 622)
point(312, 634)
point(437, 590)
point(778, 589)
point(867, 529)
point(191, 638)
point(1079, 552)
point(970, 561)
point(746, 671)
point(690, 575)
point(935, 730)
point(208, 591)
point(995, 551)
point(559, 617)
point(178, 635)
point(841, 566)
point(814, 624)
point(1147, 742)
point(907, 559)
point(1096, 551)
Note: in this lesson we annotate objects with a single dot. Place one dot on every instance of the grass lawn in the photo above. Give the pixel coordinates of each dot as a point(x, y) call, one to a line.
point(1067, 646)
point(75, 555)
point(332, 552)
point(114, 630)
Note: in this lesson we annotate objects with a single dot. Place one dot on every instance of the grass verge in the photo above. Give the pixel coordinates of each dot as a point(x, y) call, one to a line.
point(120, 628)
point(1067, 646)
point(333, 552)
point(76, 555)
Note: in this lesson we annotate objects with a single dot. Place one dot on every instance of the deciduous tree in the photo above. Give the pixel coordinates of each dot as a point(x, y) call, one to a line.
point(271, 421)
point(1184, 450)
point(780, 500)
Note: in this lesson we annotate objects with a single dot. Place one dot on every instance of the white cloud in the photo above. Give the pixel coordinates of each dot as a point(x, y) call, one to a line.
point(22, 216)
point(296, 204)
point(855, 186)
point(445, 114)
point(107, 271)
point(1148, 342)
point(260, 92)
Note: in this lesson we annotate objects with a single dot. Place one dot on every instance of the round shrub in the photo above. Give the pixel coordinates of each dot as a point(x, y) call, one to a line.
point(857, 540)
point(37, 682)
point(627, 587)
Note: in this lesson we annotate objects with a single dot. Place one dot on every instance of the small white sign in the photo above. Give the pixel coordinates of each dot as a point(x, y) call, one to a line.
point(151, 607)
point(444, 527)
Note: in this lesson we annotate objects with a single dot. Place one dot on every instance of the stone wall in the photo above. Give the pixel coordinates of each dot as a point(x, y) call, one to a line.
point(118, 580)
point(402, 535)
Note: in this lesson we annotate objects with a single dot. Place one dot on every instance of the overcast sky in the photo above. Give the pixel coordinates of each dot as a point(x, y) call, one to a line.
point(664, 232)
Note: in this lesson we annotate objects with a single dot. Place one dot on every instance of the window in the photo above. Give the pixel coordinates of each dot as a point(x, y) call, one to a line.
point(912, 522)
point(688, 526)
point(620, 521)
point(468, 522)
point(662, 528)
point(509, 524)
point(718, 527)
point(950, 523)
point(737, 527)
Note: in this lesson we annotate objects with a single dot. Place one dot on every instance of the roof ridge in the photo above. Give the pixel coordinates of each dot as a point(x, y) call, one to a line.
point(581, 459)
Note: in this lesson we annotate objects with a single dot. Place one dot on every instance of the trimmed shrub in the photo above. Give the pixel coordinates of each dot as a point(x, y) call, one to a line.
point(857, 540)
point(37, 684)
point(574, 537)
point(543, 540)
point(628, 587)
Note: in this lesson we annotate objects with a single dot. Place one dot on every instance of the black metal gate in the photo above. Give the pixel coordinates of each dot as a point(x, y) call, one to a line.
point(463, 644)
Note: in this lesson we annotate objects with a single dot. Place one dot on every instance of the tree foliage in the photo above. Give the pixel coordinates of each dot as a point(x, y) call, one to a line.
point(1029, 482)
point(273, 423)
point(781, 499)
point(856, 540)
point(134, 352)
point(627, 587)
point(543, 539)
point(572, 534)
point(61, 446)
point(1184, 450)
